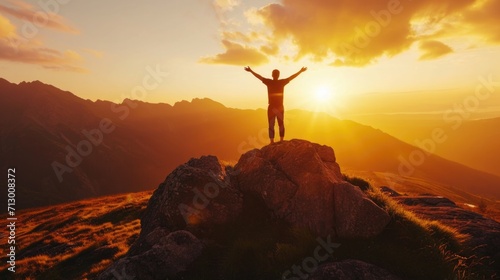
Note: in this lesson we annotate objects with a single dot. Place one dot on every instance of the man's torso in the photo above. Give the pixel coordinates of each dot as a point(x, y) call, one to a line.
point(275, 91)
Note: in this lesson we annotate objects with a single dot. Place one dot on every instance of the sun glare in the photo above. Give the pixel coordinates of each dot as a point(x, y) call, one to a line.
point(322, 94)
point(323, 99)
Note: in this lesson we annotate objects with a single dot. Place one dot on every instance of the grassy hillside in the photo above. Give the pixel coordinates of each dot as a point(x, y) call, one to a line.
point(78, 240)
point(75, 240)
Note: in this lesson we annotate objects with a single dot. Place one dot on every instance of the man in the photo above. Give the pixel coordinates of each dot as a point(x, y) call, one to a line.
point(275, 91)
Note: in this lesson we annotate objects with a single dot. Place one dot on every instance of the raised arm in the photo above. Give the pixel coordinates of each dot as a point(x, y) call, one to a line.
point(248, 69)
point(296, 74)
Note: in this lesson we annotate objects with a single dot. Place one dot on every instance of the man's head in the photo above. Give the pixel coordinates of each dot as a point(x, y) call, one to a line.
point(276, 74)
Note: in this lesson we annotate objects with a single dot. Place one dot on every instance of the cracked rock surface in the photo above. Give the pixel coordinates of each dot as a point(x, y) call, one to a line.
point(297, 181)
point(301, 182)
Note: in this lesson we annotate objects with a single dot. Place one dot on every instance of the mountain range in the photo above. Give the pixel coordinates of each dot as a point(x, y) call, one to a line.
point(66, 148)
point(469, 141)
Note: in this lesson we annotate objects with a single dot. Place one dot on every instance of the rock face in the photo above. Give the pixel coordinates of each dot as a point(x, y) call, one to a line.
point(356, 216)
point(301, 183)
point(169, 256)
point(298, 181)
point(195, 195)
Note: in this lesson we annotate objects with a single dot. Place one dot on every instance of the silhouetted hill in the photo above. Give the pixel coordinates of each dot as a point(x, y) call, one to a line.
point(41, 124)
point(259, 219)
point(470, 142)
point(477, 142)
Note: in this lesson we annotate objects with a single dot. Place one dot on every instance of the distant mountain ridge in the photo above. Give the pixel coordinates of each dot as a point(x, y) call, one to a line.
point(476, 139)
point(119, 148)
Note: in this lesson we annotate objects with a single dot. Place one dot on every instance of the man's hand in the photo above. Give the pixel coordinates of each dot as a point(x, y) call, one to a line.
point(298, 73)
point(248, 69)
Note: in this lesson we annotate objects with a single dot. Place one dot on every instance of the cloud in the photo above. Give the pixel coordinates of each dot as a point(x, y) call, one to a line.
point(252, 16)
point(95, 53)
point(355, 33)
point(7, 29)
point(236, 36)
point(433, 49)
point(271, 49)
point(359, 32)
point(16, 48)
point(39, 55)
point(226, 4)
point(239, 46)
point(484, 20)
point(236, 54)
point(222, 8)
point(38, 18)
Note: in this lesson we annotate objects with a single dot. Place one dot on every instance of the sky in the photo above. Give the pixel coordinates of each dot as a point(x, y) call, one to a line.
point(363, 56)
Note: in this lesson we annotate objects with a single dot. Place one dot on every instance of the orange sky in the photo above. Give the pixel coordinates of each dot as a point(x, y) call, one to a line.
point(382, 53)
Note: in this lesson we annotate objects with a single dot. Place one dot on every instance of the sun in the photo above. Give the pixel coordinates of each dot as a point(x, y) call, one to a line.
point(322, 95)
point(324, 99)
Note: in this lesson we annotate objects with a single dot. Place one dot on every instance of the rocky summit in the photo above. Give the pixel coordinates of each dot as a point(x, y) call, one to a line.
point(297, 183)
point(301, 183)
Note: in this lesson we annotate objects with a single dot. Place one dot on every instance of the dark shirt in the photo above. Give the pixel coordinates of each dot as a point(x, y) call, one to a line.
point(275, 91)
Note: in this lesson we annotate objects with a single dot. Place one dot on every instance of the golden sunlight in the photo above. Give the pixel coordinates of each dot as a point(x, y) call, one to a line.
point(323, 98)
point(322, 94)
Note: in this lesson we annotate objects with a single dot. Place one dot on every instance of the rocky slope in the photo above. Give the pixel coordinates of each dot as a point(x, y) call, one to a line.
point(297, 182)
point(206, 221)
point(221, 222)
point(483, 234)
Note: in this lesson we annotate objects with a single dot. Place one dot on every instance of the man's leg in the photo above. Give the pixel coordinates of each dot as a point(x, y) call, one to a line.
point(281, 122)
point(271, 115)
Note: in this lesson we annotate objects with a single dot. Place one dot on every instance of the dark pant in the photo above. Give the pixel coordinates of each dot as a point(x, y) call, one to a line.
point(273, 113)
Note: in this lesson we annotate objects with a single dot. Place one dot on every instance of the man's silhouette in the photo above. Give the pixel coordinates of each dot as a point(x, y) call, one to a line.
point(275, 91)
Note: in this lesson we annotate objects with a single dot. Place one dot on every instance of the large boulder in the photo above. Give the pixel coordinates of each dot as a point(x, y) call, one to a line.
point(171, 255)
point(298, 181)
point(301, 182)
point(356, 216)
point(195, 195)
